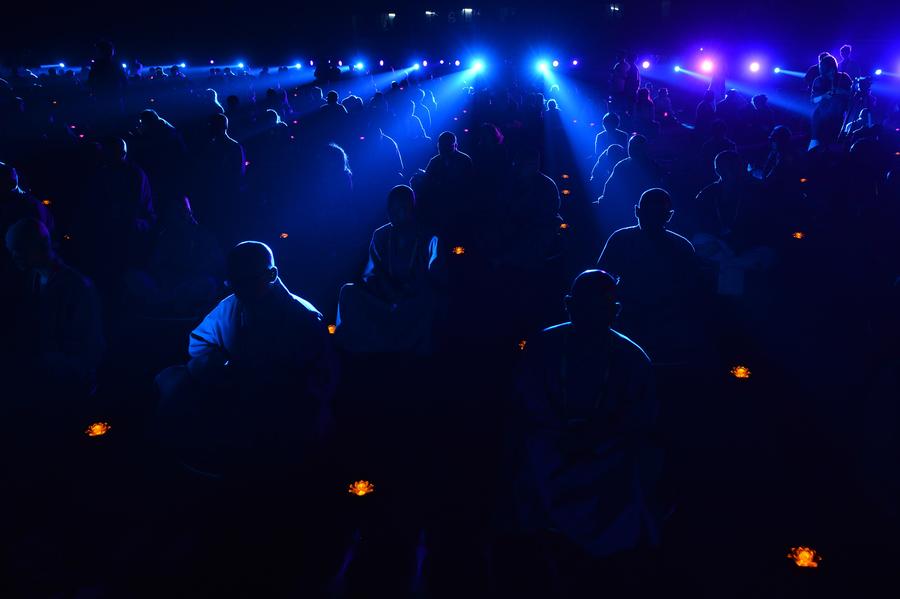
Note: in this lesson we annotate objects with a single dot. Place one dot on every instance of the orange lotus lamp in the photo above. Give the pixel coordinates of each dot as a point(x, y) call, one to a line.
point(803, 179)
point(740, 372)
point(284, 235)
point(805, 557)
point(563, 226)
point(565, 176)
point(798, 234)
point(97, 429)
point(458, 250)
point(361, 487)
point(332, 328)
point(566, 192)
point(46, 202)
point(522, 344)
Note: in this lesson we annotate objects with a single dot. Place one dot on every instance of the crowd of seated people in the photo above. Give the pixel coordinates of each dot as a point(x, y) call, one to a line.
point(427, 237)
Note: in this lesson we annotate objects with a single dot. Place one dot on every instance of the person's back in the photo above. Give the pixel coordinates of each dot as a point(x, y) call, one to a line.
point(629, 179)
point(587, 407)
point(658, 274)
point(610, 135)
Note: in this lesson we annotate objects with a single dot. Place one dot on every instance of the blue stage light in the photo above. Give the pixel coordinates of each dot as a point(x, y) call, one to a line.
point(677, 69)
point(477, 66)
point(124, 66)
point(183, 65)
point(707, 66)
point(416, 66)
point(543, 67)
point(424, 63)
point(240, 65)
point(555, 63)
point(359, 66)
point(754, 67)
point(381, 63)
point(456, 62)
point(62, 65)
point(441, 61)
point(645, 65)
point(878, 72)
point(574, 62)
point(776, 70)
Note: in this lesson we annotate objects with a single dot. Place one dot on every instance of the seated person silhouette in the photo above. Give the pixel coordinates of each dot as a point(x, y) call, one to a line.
point(394, 306)
point(53, 344)
point(658, 275)
point(588, 409)
point(260, 376)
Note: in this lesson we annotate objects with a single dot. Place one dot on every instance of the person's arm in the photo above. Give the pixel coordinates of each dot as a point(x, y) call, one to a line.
point(207, 338)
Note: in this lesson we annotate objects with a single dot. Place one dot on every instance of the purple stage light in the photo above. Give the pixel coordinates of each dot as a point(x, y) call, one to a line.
point(424, 63)
point(706, 66)
point(575, 62)
point(456, 62)
point(645, 65)
point(555, 63)
point(754, 67)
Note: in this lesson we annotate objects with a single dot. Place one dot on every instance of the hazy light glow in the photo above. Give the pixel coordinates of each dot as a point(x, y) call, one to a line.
point(878, 72)
point(574, 62)
point(416, 67)
point(754, 67)
point(297, 65)
point(456, 62)
point(478, 66)
point(240, 65)
point(424, 63)
point(62, 65)
point(645, 64)
point(677, 69)
point(359, 66)
point(706, 66)
point(777, 70)
point(183, 65)
point(555, 63)
point(543, 67)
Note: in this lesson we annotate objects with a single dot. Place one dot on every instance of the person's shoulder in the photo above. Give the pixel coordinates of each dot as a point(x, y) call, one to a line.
point(628, 348)
point(304, 308)
point(624, 234)
point(382, 232)
point(709, 190)
point(679, 242)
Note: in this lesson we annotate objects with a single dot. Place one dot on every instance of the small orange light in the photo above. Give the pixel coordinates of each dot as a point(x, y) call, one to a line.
point(740, 372)
point(565, 176)
point(803, 179)
point(805, 557)
point(97, 429)
point(284, 235)
point(67, 237)
point(332, 328)
point(522, 344)
point(361, 487)
point(798, 234)
point(458, 250)
point(46, 202)
point(566, 192)
point(563, 226)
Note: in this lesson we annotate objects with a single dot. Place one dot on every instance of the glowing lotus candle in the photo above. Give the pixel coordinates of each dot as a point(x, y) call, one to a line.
point(563, 226)
point(798, 234)
point(566, 192)
point(522, 344)
point(332, 328)
point(740, 372)
point(361, 487)
point(97, 429)
point(46, 202)
point(805, 557)
point(284, 235)
point(458, 250)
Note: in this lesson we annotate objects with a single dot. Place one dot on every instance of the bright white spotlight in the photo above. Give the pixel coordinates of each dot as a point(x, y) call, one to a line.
point(430, 13)
point(359, 66)
point(555, 63)
point(677, 69)
point(456, 63)
point(776, 70)
point(424, 63)
point(240, 65)
point(467, 11)
point(477, 66)
point(312, 63)
point(211, 61)
point(340, 63)
point(124, 66)
point(392, 15)
point(754, 67)
point(878, 72)
point(62, 65)
point(183, 65)
point(543, 67)
point(574, 62)
point(706, 66)
point(645, 65)
point(416, 66)
point(381, 63)
point(441, 61)
point(297, 65)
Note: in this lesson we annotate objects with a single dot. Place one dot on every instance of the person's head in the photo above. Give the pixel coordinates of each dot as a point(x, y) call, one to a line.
point(663, 92)
point(105, 50)
point(28, 242)
point(728, 165)
point(654, 210)
point(637, 147)
point(828, 65)
point(332, 97)
point(401, 205)
point(148, 118)
point(643, 94)
point(591, 303)
point(114, 150)
point(250, 271)
point(718, 128)
point(780, 137)
point(760, 101)
point(616, 154)
point(446, 143)
point(846, 49)
point(552, 105)
point(9, 178)
point(611, 121)
point(336, 160)
point(218, 125)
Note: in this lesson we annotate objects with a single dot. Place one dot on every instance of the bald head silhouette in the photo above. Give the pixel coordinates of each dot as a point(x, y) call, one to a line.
point(591, 302)
point(654, 210)
point(251, 270)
